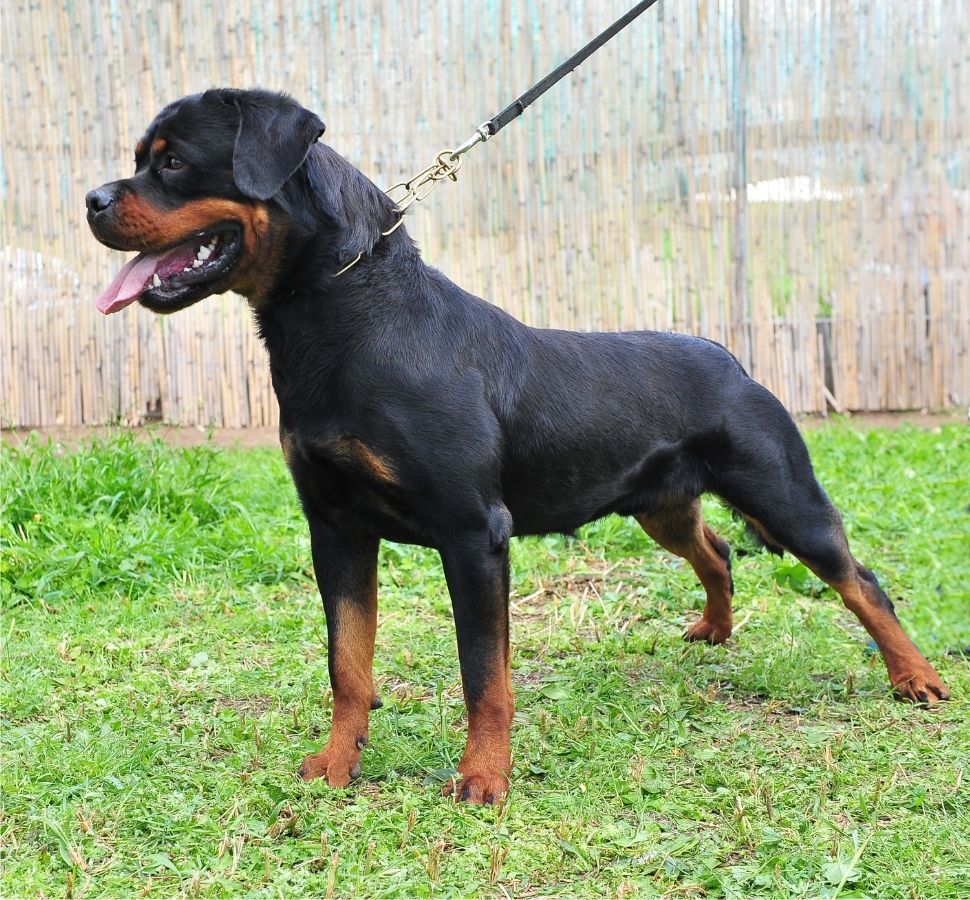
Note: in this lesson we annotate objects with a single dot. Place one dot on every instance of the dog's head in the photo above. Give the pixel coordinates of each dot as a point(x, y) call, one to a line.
point(200, 207)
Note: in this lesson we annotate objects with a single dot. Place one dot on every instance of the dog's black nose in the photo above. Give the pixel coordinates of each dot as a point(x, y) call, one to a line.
point(99, 200)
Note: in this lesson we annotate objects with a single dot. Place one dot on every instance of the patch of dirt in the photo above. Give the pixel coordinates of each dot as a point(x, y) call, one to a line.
point(762, 704)
point(245, 706)
point(534, 676)
point(921, 418)
point(595, 577)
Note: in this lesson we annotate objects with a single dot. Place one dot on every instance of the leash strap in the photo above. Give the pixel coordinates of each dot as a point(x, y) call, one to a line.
point(517, 107)
point(447, 163)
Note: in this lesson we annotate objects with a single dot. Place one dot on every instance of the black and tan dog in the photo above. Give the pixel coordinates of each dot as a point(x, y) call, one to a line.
point(413, 411)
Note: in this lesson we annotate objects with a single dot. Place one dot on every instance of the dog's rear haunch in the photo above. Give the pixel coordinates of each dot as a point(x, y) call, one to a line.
point(411, 410)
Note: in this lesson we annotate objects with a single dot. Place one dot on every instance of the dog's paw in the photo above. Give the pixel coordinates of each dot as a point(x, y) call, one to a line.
point(704, 630)
point(923, 687)
point(478, 788)
point(337, 768)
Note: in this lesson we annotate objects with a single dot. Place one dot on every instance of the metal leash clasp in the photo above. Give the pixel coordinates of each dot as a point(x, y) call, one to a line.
point(446, 165)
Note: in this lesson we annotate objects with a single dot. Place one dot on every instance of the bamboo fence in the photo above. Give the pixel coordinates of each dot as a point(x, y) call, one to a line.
point(788, 177)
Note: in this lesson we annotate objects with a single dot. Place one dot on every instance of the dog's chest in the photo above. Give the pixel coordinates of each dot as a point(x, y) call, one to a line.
point(345, 478)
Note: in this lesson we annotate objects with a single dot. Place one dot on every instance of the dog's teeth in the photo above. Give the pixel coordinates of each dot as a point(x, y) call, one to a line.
point(204, 253)
point(156, 281)
point(195, 264)
point(186, 269)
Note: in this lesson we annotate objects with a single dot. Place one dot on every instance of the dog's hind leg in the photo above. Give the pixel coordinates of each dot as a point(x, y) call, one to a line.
point(681, 530)
point(768, 478)
point(818, 539)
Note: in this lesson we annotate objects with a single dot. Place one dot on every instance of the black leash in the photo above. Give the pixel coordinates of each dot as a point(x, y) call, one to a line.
point(517, 107)
point(447, 163)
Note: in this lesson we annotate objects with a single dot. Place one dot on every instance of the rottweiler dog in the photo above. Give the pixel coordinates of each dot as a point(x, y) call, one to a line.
point(413, 411)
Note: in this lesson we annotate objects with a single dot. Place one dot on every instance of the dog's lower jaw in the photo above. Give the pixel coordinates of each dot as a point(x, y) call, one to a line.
point(166, 308)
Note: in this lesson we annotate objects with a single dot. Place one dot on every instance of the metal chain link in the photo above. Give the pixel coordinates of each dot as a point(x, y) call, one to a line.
point(446, 165)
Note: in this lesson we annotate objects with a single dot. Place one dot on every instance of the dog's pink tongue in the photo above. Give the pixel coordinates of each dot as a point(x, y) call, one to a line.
point(129, 283)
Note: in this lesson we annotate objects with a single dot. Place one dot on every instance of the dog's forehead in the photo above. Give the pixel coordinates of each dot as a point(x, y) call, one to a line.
point(198, 118)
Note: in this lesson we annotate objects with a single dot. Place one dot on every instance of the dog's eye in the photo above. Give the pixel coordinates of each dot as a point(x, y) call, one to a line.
point(174, 163)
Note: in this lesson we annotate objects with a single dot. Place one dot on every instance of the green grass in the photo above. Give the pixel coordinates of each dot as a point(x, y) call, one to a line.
point(164, 673)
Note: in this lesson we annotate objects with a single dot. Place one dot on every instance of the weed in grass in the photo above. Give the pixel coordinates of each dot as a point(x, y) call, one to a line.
point(164, 672)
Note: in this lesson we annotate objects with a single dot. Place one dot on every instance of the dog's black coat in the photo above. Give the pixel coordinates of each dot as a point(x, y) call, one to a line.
point(413, 411)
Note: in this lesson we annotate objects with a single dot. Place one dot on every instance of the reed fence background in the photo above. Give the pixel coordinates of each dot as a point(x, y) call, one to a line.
point(789, 177)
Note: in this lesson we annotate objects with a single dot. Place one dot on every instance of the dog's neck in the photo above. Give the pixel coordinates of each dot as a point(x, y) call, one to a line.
point(338, 215)
point(316, 330)
point(346, 200)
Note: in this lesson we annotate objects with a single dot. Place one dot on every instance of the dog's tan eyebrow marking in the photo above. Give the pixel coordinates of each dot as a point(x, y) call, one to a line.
point(159, 145)
point(139, 148)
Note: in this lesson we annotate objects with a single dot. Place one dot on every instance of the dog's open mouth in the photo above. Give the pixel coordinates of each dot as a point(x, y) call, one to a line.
point(176, 274)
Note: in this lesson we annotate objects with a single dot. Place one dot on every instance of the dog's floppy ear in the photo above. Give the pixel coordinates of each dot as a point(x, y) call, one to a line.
point(273, 139)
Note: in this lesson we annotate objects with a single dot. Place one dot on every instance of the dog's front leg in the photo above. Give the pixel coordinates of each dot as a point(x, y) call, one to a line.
point(477, 570)
point(346, 570)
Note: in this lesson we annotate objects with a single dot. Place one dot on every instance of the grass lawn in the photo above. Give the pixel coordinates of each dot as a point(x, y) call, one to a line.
point(164, 673)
